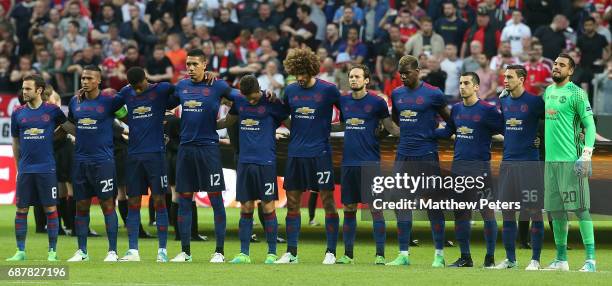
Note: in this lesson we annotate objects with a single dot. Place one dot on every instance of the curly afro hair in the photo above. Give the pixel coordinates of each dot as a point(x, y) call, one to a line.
point(302, 61)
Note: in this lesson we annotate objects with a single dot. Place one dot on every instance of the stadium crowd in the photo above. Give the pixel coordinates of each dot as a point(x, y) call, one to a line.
point(58, 38)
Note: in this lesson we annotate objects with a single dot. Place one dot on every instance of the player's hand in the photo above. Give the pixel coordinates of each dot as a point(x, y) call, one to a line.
point(504, 93)
point(583, 166)
point(282, 134)
point(271, 96)
point(536, 142)
point(209, 77)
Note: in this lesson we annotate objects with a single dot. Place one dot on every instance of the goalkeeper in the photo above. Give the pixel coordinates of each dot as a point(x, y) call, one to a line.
point(568, 161)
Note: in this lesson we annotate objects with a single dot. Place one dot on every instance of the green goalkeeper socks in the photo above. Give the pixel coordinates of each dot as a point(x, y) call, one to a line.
point(560, 233)
point(588, 238)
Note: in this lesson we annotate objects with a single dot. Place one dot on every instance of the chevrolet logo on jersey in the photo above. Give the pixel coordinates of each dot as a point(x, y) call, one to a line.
point(192, 104)
point(408, 113)
point(87, 121)
point(142, 110)
point(34, 131)
point(305, 110)
point(249, 122)
point(464, 130)
point(354, 121)
point(514, 122)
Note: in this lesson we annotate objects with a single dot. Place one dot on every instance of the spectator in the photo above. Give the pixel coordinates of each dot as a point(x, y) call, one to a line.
point(304, 27)
point(42, 64)
point(425, 41)
point(466, 12)
point(127, 15)
point(552, 37)
point(601, 26)
point(388, 49)
point(328, 70)
point(603, 91)
point(102, 25)
point(341, 79)
point(582, 77)
point(113, 35)
point(496, 13)
point(62, 79)
point(72, 41)
point(471, 64)
point(136, 29)
point(347, 23)
point(451, 65)
point(407, 24)
point(271, 79)
point(252, 66)
point(515, 31)
point(266, 52)
point(264, 18)
point(391, 77)
point(279, 44)
point(40, 17)
point(593, 46)
point(225, 29)
point(317, 16)
point(245, 43)
point(483, 31)
point(222, 61)
point(21, 15)
point(87, 58)
point(578, 14)
point(132, 58)
point(55, 17)
point(488, 78)
point(6, 85)
point(417, 12)
point(74, 14)
point(171, 27)
point(155, 9)
point(538, 73)
point(354, 47)
point(332, 41)
point(450, 27)
point(177, 56)
point(374, 13)
point(159, 68)
point(357, 12)
point(539, 13)
point(202, 11)
point(24, 68)
point(189, 32)
point(435, 76)
point(113, 69)
point(503, 58)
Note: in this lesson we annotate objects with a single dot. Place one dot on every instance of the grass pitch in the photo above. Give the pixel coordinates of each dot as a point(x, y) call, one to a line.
point(311, 251)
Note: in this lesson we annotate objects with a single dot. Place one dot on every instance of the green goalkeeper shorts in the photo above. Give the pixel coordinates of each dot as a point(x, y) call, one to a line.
point(563, 189)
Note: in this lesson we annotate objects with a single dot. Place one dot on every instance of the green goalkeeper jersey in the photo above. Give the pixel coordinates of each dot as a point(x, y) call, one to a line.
point(565, 108)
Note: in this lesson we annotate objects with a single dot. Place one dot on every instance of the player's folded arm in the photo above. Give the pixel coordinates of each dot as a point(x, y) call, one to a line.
point(391, 127)
point(227, 121)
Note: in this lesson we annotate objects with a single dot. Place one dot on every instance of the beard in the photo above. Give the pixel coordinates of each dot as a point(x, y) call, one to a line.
point(358, 88)
point(558, 79)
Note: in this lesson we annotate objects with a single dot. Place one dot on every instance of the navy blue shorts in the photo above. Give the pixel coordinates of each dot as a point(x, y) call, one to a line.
point(313, 173)
point(472, 181)
point(256, 182)
point(199, 169)
point(94, 179)
point(357, 184)
point(144, 171)
point(36, 189)
point(421, 166)
point(521, 181)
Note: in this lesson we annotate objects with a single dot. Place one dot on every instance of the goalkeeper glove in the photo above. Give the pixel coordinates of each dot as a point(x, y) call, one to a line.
point(583, 167)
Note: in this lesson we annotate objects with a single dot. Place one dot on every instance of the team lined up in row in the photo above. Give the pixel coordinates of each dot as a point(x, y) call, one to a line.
point(309, 104)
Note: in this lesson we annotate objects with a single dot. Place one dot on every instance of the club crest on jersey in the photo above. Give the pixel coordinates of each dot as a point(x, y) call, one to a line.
point(368, 108)
point(408, 115)
point(261, 110)
point(45, 117)
point(524, 108)
point(563, 99)
point(318, 97)
point(100, 109)
point(476, 117)
point(420, 100)
point(206, 92)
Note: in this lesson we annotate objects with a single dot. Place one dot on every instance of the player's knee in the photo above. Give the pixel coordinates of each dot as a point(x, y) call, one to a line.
point(134, 201)
point(509, 215)
point(23, 210)
point(50, 208)
point(83, 206)
point(247, 207)
point(328, 202)
point(268, 206)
